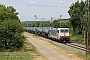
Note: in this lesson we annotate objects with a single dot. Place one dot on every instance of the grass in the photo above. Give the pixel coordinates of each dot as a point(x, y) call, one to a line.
point(79, 38)
point(64, 21)
point(28, 52)
point(76, 37)
point(86, 56)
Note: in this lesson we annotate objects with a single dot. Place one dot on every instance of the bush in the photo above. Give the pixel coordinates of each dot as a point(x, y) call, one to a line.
point(11, 38)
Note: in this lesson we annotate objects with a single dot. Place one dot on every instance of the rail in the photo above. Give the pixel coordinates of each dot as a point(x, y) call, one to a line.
point(74, 45)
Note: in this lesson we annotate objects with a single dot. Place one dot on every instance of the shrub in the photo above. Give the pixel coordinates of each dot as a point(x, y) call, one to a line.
point(11, 38)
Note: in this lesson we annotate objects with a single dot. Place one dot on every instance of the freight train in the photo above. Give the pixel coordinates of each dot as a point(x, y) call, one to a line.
point(58, 34)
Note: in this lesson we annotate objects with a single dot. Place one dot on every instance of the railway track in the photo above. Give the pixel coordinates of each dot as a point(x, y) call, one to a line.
point(71, 44)
point(74, 45)
point(77, 46)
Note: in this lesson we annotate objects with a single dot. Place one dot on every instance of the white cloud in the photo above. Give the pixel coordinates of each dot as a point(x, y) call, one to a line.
point(32, 2)
point(57, 3)
point(61, 1)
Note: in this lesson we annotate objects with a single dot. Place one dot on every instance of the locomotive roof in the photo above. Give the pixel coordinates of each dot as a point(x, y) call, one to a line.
point(63, 28)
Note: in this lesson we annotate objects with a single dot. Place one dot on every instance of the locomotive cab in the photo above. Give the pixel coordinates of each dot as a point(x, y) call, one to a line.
point(63, 34)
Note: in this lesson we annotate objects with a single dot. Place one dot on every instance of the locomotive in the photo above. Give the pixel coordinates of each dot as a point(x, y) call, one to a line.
point(58, 34)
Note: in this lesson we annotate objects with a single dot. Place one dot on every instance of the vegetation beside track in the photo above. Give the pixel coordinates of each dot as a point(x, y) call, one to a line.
point(27, 52)
point(11, 29)
point(76, 37)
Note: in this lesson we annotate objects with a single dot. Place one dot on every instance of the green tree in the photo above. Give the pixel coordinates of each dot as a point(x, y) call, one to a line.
point(45, 24)
point(55, 23)
point(8, 12)
point(12, 12)
point(77, 12)
point(11, 38)
point(37, 23)
point(65, 24)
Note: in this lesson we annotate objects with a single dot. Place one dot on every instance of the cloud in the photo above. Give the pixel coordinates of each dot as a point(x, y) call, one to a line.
point(57, 3)
point(61, 1)
point(32, 2)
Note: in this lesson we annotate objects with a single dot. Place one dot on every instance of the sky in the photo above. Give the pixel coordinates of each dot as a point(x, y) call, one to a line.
point(46, 9)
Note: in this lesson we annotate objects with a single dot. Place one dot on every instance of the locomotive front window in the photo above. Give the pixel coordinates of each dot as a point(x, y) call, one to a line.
point(64, 31)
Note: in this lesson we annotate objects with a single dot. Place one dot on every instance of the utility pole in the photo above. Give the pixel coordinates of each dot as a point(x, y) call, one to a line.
point(35, 19)
point(51, 19)
point(60, 21)
point(87, 29)
point(35, 25)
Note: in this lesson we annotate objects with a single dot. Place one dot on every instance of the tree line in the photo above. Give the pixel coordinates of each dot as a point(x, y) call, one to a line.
point(78, 16)
point(55, 23)
point(11, 29)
